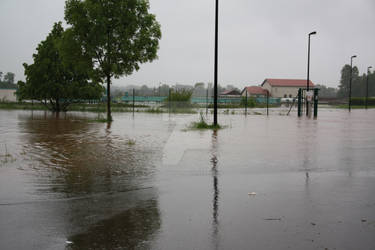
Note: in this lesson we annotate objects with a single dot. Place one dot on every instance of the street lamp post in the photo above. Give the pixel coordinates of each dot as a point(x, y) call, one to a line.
point(308, 71)
point(350, 82)
point(216, 60)
point(368, 73)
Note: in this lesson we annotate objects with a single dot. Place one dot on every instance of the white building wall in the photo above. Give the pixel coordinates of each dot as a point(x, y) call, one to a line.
point(282, 91)
point(8, 95)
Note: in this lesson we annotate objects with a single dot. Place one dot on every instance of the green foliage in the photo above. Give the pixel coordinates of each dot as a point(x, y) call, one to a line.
point(251, 103)
point(359, 83)
point(117, 35)
point(9, 78)
point(179, 98)
point(326, 92)
point(5, 85)
point(8, 81)
point(55, 80)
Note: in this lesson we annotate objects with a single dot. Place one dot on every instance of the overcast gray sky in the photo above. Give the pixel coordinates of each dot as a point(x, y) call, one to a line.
point(258, 39)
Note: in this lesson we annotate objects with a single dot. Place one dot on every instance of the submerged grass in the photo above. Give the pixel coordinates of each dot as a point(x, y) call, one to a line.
point(130, 142)
point(202, 124)
point(7, 157)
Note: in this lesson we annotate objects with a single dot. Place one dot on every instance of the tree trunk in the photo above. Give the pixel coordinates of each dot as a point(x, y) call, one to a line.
point(57, 106)
point(109, 116)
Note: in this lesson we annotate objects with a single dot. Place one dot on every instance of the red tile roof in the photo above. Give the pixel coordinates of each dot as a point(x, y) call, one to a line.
point(256, 90)
point(230, 92)
point(288, 82)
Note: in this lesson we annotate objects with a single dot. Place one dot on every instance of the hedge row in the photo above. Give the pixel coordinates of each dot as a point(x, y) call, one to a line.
point(362, 101)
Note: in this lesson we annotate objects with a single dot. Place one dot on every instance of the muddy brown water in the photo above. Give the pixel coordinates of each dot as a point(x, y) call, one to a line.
point(147, 182)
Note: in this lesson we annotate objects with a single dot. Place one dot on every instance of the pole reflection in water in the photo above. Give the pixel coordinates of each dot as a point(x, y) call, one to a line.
point(215, 200)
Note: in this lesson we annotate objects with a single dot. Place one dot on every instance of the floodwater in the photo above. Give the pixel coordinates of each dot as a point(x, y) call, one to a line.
point(147, 182)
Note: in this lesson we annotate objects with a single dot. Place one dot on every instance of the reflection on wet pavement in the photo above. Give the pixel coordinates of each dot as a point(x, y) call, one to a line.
point(145, 182)
point(131, 229)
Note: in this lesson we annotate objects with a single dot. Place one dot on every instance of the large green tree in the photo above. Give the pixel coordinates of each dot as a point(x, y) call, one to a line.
point(118, 35)
point(56, 80)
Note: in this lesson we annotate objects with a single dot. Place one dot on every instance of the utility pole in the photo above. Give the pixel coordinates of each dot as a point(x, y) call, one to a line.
point(368, 73)
point(308, 72)
point(350, 83)
point(246, 103)
point(216, 60)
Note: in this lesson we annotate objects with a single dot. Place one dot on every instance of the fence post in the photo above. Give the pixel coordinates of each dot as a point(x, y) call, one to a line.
point(246, 103)
point(316, 100)
point(268, 97)
point(169, 100)
point(299, 102)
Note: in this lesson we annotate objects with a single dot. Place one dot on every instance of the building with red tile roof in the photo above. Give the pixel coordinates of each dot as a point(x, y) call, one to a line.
point(282, 88)
point(254, 91)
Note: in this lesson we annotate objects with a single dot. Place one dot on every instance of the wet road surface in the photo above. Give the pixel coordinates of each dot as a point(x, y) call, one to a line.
point(147, 182)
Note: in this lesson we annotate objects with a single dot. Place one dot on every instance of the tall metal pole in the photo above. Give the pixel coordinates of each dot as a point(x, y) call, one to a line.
point(216, 60)
point(207, 100)
point(308, 71)
point(368, 73)
point(299, 102)
point(350, 82)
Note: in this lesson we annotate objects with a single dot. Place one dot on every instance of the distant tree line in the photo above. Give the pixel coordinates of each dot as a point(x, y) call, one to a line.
point(7, 80)
point(358, 83)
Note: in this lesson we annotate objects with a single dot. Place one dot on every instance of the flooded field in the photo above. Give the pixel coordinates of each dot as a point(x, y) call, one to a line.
point(147, 182)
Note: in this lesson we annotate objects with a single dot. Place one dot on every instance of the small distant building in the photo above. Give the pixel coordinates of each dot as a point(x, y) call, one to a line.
point(285, 88)
point(254, 91)
point(230, 93)
point(8, 95)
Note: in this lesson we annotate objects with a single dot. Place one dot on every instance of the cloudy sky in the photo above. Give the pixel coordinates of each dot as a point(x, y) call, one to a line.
point(258, 39)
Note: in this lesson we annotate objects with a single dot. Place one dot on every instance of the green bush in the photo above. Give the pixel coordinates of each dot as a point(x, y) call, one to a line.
point(179, 98)
point(250, 102)
point(202, 124)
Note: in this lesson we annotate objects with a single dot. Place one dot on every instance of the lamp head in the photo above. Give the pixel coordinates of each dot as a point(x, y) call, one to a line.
point(312, 33)
point(354, 56)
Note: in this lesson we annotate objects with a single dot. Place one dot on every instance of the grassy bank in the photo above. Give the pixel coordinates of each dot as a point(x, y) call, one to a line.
point(21, 106)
